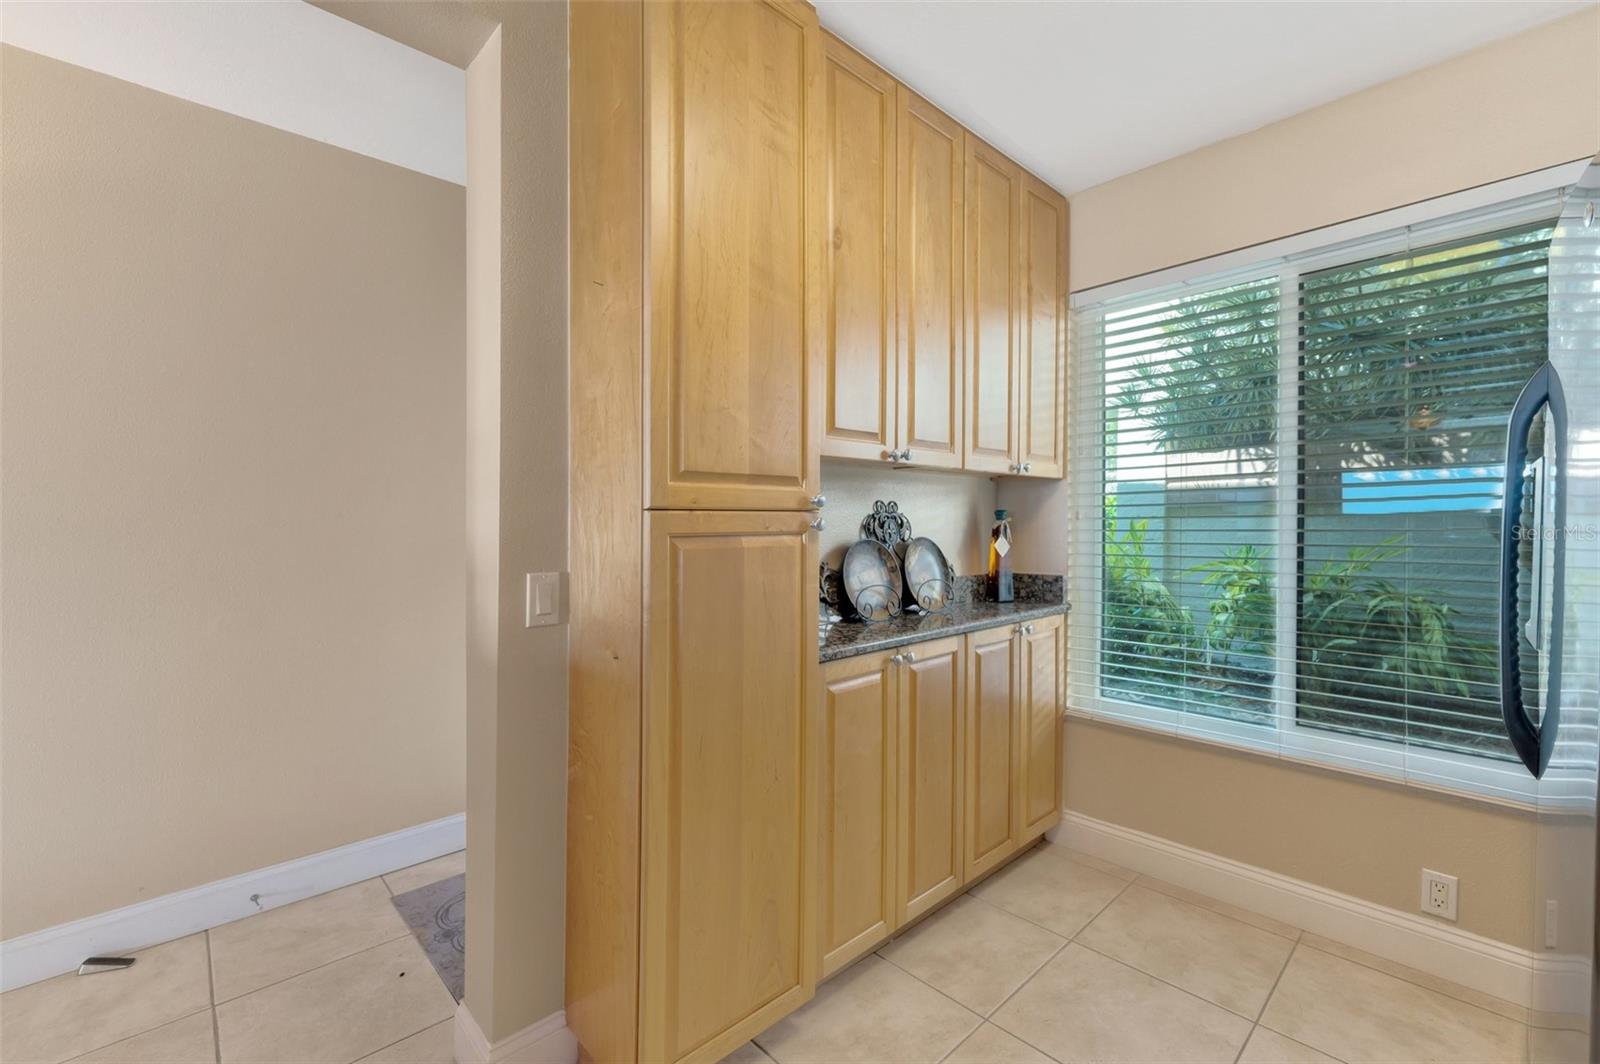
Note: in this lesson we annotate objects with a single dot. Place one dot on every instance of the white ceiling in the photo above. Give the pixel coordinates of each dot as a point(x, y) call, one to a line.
point(1080, 92)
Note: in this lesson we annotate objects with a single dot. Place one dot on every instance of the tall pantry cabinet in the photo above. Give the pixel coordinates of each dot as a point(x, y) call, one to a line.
point(697, 324)
point(779, 252)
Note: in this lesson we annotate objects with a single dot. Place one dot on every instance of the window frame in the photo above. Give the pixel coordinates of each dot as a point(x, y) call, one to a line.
point(1481, 778)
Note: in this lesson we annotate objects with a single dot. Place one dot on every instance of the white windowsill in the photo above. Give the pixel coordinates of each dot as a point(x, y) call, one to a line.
point(1531, 801)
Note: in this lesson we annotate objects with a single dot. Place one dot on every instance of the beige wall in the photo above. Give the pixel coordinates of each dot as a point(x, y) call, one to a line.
point(1354, 835)
point(954, 509)
point(515, 54)
point(1519, 104)
point(233, 495)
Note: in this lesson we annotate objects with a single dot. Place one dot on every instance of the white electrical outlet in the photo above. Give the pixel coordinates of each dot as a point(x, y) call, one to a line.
point(1438, 894)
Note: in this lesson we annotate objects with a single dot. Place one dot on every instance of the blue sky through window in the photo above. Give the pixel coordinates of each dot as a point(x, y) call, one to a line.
point(1425, 490)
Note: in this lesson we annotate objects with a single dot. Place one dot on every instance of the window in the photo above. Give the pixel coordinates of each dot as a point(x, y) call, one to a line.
point(1288, 493)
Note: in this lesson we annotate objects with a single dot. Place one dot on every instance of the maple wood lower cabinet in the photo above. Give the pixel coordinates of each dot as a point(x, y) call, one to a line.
point(892, 768)
point(939, 761)
point(931, 741)
point(860, 707)
point(729, 876)
point(992, 831)
point(1041, 674)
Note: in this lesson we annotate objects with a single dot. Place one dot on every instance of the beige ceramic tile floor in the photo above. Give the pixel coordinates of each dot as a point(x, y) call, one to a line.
point(336, 978)
point(1058, 957)
point(1062, 957)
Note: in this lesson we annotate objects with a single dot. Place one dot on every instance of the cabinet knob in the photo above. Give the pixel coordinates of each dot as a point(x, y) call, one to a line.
point(1027, 629)
point(905, 455)
point(1027, 467)
point(819, 501)
point(819, 524)
point(910, 657)
point(889, 456)
point(1012, 468)
point(897, 659)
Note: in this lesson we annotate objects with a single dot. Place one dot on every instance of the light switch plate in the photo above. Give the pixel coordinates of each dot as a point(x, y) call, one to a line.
point(542, 603)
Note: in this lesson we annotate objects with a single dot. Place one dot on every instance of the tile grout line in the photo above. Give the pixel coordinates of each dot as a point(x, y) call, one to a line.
point(959, 1004)
point(1419, 985)
point(216, 1027)
point(1214, 912)
point(1262, 1011)
point(1255, 1024)
point(1020, 987)
point(1157, 978)
point(324, 964)
point(1072, 937)
point(1069, 940)
point(397, 1041)
point(1298, 940)
point(131, 1037)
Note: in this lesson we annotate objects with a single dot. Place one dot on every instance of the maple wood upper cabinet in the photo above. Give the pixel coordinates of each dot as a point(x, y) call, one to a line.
point(860, 386)
point(734, 129)
point(1041, 399)
point(930, 271)
point(857, 907)
point(728, 877)
point(1041, 672)
point(993, 303)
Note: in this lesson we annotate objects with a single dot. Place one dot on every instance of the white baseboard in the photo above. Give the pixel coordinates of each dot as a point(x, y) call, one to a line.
point(1414, 940)
point(54, 950)
point(549, 1041)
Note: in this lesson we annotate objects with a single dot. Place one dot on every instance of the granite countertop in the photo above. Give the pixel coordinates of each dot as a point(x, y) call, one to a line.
point(849, 638)
point(1037, 596)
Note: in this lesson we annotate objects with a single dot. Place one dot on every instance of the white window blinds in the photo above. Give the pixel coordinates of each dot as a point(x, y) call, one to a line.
point(1286, 499)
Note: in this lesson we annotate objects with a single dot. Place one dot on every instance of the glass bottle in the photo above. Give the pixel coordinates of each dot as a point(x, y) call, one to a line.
point(1000, 589)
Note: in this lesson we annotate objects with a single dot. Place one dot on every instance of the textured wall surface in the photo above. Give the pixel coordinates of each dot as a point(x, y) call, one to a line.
point(233, 494)
point(1517, 105)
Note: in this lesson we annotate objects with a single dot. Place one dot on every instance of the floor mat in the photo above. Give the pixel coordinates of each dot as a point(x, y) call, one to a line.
point(437, 915)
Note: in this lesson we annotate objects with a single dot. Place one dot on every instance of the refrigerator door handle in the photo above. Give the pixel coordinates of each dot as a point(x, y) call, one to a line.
point(1533, 743)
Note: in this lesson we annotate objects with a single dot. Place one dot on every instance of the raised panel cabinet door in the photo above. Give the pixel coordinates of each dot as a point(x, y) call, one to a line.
point(856, 911)
point(734, 233)
point(858, 419)
point(1042, 395)
point(1041, 670)
point(992, 831)
point(932, 766)
point(728, 940)
point(930, 271)
point(994, 296)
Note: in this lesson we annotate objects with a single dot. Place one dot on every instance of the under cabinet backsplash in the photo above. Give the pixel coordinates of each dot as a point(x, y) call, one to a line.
point(1042, 588)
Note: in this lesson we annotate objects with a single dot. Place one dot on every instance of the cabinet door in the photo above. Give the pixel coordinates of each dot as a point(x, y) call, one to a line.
point(932, 727)
point(1042, 399)
point(991, 751)
point(728, 884)
point(931, 221)
point(994, 198)
point(1041, 669)
point(859, 355)
point(856, 911)
point(734, 334)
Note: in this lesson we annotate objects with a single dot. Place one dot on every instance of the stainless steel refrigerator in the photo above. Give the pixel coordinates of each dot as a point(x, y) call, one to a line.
point(1550, 629)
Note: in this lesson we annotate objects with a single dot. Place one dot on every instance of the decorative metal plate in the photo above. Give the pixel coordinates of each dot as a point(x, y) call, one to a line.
point(872, 580)
point(929, 580)
point(886, 524)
